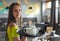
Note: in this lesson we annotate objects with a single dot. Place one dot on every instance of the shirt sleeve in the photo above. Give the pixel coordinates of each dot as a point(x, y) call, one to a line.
point(14, 33)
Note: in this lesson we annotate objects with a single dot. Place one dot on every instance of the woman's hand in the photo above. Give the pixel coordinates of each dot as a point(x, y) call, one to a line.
point(16, 39)
point(24, 38)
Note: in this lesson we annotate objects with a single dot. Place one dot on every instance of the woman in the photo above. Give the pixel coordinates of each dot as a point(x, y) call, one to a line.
point(12, 26)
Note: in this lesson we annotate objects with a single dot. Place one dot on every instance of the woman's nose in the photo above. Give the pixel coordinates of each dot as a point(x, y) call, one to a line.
point(18, 12)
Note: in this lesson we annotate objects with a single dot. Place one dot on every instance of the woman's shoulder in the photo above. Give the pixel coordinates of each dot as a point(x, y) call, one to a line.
point(12, 24)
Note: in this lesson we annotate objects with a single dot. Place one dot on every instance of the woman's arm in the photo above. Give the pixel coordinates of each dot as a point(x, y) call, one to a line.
point(14, 34)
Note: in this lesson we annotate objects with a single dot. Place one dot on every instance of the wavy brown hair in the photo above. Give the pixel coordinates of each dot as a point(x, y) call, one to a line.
point(11, 18)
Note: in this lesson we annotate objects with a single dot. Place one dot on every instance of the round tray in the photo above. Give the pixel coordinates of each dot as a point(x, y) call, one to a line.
point(21, 32)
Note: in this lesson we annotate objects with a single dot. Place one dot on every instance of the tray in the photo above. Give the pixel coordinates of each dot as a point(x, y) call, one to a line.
point(21, 32)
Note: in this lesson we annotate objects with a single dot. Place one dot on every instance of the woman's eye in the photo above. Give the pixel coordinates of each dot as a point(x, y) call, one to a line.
point(20, 10)
point(15, 10)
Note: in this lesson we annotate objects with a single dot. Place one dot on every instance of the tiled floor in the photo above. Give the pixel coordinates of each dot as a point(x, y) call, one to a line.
point(2, 36)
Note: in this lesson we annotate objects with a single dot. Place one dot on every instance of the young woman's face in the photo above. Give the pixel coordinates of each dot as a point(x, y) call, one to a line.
point(17, 11)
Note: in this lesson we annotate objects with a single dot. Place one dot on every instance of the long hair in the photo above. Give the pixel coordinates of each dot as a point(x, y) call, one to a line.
point(11, 18)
